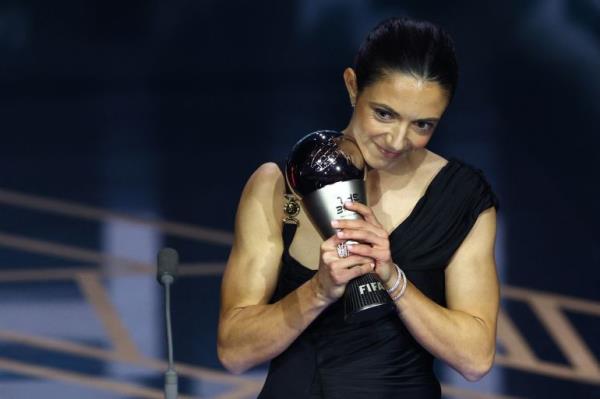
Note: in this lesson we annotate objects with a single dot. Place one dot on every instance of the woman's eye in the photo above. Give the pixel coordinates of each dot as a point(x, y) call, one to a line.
point(424, 126)
point(383, 114)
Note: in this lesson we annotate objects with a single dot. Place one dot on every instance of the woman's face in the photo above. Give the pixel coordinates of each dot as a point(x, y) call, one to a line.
point(394, 116)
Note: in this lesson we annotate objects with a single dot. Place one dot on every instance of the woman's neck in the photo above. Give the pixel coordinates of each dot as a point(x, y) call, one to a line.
point(402, 168)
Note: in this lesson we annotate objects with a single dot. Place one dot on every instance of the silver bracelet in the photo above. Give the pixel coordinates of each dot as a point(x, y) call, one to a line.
point(403, 288)
point(397, 282)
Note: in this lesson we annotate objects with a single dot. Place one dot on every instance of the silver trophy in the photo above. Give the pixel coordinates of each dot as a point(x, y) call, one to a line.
point(325, 169)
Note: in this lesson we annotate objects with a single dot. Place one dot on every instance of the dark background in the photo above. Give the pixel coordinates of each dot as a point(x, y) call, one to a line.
point(166, 108)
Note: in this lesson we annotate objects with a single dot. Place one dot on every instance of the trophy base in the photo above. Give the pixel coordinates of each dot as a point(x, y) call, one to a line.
point(366, 299)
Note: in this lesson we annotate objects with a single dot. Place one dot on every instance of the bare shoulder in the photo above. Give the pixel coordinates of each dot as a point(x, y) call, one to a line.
point(471, 278)
point(268, 171)
point(260, 209)
point(428, 167)
point(434, 161)
point(265, 189)
point(265, 178)
point(253, 265)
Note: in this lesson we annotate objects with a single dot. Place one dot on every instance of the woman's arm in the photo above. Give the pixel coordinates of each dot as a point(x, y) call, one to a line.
point(251, 330)
point(464, 333)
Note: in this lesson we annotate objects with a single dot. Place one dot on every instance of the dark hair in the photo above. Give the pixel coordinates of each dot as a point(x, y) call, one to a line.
point(419, 48)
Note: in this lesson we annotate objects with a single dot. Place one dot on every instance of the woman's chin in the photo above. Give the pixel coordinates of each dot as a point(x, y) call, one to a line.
point(379, 164)
point(382, 163)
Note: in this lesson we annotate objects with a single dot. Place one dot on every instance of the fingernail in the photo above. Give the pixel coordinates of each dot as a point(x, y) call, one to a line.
point(372, 266)
point(346, 203)
point(340, 233)
point(335, 223)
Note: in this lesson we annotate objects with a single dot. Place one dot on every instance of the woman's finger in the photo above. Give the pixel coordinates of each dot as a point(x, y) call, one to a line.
point(358, 224)
point(359, 271)
point(351, 261)
point(331, 243)
point(363, 210)
point(363, 236)
point(369, 252)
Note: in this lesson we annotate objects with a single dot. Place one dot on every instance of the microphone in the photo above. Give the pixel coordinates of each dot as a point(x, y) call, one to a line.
point(167, 261)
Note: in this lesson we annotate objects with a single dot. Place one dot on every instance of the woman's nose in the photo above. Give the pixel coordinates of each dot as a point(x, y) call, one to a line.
point(397, 139)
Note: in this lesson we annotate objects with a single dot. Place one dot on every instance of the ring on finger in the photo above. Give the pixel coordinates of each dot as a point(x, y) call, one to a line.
point(342, 250)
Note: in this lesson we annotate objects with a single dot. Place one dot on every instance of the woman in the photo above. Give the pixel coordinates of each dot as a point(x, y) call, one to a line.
point(428, 232)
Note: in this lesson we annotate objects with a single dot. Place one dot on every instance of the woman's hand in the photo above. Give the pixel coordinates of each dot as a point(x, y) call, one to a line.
point(372, 237)
point(335, 272)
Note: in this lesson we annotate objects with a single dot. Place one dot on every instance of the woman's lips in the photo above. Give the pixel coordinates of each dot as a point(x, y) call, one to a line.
point(389, 154)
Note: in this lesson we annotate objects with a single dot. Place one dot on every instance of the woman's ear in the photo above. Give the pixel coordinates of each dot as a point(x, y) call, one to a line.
point(351, 86)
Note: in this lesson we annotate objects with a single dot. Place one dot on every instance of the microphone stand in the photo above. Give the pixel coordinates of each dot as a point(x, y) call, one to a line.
point(170, 374)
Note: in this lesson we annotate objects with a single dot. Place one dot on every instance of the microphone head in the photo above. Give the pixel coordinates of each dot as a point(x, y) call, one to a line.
point(168, 259)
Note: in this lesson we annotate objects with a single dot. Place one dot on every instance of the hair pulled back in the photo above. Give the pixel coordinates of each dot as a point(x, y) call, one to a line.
point(400, 44)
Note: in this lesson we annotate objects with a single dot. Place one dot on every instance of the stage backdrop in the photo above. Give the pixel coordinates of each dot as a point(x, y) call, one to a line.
point(129, 126)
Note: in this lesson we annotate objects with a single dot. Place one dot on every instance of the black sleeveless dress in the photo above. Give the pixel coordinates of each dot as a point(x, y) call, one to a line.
point(380, 359)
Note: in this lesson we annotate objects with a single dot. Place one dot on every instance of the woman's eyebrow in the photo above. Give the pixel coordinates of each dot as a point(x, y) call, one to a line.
point(396, 113)
point(386, 107)
point(432, 120)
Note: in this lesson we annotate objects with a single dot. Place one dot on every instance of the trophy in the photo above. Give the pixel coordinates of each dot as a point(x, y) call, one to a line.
point(325, 169)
